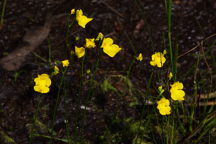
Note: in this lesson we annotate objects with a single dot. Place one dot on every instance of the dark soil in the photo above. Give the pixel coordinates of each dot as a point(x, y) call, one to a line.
point(137, 26)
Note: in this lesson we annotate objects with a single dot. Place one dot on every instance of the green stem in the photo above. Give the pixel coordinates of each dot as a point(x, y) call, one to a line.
point(58, 94)
point(168, 7)
point(58, 97)
point(130, 67)
point(3, 12)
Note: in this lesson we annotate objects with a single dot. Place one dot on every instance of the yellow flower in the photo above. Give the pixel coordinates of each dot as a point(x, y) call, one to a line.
point(140, 57)
point(164, 106)
point(90, 43)
point(79, 51)
point(107, 42)
point(109, 48)
point(158, 59)
point(82, 19)
point(99, 37)
point(170, 75)
point(177, 85)
point(42, 83)
point(65, 63)
point(161, 90)
point(73, 11)
point(56, 70)
point(176, 91)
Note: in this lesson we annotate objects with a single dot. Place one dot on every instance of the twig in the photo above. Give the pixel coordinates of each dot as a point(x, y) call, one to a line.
point(112, 9)
point(199, 44)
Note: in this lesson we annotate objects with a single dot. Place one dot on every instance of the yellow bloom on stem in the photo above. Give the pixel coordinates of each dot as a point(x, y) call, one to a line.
point(90, 43)
point(79, 51)
point(164, 106)
point(56, 70)
point(176, 91)
point(170, 75)
point(161, 90)
point(73, 11)
point(140, 57)
point(99, 37)
point(42, 83)
point(158, 59)
point(109, 48)
point(65, 63)
point(82, 19)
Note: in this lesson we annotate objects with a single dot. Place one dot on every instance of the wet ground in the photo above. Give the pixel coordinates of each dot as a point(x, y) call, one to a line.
point(137, 26)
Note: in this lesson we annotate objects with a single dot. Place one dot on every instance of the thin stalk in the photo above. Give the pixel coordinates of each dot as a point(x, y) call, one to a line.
point(174, 67)
point(58, 97)
point(195, 94)
point(66, 108)
point(78, 103)
point(49, 51)
point(35, 116)
point(168, 6)
point(130, 67)
point(144, 109)
point(3, 13)
point(58, 94)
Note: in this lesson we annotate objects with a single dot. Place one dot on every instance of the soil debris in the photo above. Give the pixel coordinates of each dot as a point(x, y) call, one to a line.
point(32, 40)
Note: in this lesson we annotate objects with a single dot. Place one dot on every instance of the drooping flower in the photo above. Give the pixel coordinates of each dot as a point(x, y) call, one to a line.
point(56, 70)
point(99, 37)
point(82, 19)
point(164, 106)
point(170, 75)
point(176, 91)
point(79, 51)
point(65, 63)
point(73, 11)
point(109, 48)
point(161, 90)
point(140, 57)
point(90, 43)
point(42, 83)
point(158, 59)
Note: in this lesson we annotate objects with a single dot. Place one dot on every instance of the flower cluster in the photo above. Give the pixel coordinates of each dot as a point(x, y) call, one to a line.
point(176, 91)
point(107, 44)
point(164, 106)
point(176, 94)
point(42, 83)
